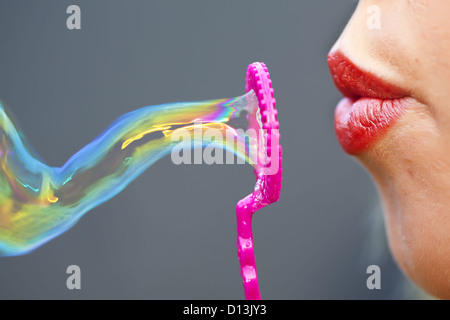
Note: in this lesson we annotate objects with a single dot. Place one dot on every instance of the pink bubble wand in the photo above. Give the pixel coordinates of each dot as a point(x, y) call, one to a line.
point(268, 180)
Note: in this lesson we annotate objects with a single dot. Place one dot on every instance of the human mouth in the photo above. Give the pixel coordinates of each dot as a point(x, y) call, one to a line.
point(369, 108)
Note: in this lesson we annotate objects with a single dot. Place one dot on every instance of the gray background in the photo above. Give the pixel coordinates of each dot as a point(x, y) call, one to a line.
point(171, 233)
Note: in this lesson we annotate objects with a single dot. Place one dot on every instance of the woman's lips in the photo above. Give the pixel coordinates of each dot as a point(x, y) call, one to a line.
point(369, 108)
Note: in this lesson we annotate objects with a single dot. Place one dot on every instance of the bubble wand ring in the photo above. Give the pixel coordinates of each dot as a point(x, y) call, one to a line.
point(268, 180)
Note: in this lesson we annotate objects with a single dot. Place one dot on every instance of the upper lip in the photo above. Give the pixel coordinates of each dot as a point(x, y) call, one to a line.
point(355, 83)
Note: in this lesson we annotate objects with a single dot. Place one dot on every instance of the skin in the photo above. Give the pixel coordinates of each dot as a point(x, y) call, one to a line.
point(410, 164)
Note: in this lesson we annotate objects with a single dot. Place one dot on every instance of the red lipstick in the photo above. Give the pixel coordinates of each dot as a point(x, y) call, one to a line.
point(369, 108)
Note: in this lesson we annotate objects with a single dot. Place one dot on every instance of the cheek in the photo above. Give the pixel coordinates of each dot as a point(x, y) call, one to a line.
point(427, 47)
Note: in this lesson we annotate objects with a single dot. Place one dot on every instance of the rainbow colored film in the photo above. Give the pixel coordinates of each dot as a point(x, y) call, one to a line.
point(38, 202)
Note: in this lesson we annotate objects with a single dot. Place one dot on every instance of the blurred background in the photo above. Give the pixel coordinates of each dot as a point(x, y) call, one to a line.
point(171, 234)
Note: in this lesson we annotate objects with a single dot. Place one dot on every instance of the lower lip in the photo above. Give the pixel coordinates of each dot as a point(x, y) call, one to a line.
point(360, 123)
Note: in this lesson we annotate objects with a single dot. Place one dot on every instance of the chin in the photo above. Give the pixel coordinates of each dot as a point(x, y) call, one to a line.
point(419, 245)
point(410, 166)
